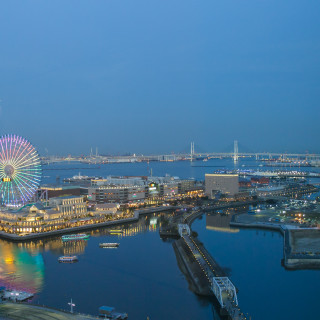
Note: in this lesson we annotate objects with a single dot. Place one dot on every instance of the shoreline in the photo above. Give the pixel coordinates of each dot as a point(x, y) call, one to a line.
point(291, 261)
point(31, 236)
point(23, 310)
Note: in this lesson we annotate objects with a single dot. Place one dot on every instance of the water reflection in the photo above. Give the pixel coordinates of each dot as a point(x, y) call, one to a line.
point(19, 268)
point(220, 220)
point(22, 265)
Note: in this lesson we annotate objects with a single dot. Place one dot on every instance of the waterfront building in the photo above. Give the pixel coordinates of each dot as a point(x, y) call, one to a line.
point(69, 206)
point(169, 189)
point(107, 208)
point(30, 218)
point(36, 217)
point(188, 185)
point(122, 181)
point(61, 190)
point(227, 184)
point(121, 194)
point(137, 189)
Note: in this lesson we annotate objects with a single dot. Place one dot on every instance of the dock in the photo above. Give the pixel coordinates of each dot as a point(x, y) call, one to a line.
point(206, 277)
point(203, 273)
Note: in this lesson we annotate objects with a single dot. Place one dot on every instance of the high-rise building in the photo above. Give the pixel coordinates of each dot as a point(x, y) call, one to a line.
point(224, 183)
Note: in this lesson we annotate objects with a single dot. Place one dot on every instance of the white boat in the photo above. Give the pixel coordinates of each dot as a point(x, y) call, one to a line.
point(68, 259)
point(109, 245)
point(79, 236)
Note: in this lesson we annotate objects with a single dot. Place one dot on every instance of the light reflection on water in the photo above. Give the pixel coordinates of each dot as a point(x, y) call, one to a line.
point(253, 261)
point(142, 276)
point(139, 277)
point(20, 268)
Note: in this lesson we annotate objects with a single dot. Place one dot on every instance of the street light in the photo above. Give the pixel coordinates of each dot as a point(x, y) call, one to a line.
point(71, 304)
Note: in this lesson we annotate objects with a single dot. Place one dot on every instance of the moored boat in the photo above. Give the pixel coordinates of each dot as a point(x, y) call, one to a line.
point(110, 313)
point(109, 245)
point(80, 236)
point(118, 232)
point(68, 259)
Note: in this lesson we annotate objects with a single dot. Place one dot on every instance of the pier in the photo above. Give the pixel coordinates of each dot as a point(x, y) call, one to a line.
point(204, 274)
point(209, 277)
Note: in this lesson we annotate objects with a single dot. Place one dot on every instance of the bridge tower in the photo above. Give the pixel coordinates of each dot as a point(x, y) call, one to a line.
point(192, 151)
point(235, 151)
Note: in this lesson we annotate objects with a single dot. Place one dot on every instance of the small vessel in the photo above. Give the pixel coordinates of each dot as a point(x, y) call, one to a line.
point(68, 259)
point(80, 236)
point(109, 245)
point(116, 231)
point(110, 313)
point(14, 295)
point(79, 178)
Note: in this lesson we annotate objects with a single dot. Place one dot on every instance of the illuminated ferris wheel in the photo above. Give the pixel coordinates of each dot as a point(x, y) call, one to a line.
point(20, 170)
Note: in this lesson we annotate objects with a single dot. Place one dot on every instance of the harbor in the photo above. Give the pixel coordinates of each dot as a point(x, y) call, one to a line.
point(139, 240)
point(159, 160)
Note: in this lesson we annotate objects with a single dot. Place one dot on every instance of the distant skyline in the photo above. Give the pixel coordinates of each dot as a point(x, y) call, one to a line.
point(151, 76)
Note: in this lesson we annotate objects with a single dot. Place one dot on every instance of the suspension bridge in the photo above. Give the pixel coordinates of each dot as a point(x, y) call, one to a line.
point(193, 155)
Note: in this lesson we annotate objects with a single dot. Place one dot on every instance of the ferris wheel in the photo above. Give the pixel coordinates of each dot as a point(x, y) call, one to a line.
point(20, 170)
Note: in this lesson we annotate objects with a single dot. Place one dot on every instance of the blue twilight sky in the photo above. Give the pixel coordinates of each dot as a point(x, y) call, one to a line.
point(149, 76)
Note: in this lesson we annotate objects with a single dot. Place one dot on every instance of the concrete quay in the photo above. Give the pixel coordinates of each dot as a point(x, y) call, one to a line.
point(198, 282)
point(136, 215)
point(202, 272)
point(200, 269)
point(301, 246)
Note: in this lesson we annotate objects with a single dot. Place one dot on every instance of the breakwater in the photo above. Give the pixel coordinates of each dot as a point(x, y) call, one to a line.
point(203, 273)
point(300, 245)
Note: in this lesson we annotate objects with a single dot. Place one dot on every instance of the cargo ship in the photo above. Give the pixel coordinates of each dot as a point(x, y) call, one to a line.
point(80, 236)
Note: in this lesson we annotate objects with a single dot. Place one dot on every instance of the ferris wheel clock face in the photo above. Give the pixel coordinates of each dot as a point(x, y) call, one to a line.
point(20, 170)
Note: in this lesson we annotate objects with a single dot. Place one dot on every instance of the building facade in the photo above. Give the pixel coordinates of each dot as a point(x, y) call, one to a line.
point(69, 206)
point(227, 184)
